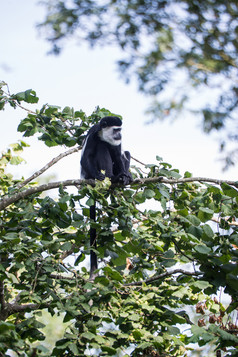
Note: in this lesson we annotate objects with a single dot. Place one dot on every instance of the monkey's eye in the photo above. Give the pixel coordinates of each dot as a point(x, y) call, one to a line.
point(117, 130)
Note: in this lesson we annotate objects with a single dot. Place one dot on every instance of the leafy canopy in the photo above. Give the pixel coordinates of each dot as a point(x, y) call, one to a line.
point(167, 247)
point(183, 53)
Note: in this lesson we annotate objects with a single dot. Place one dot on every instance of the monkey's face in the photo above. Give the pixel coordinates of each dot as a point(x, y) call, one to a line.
point(111, 135)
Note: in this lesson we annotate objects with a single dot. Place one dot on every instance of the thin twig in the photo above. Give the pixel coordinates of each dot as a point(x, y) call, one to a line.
point(47, 166)
point(160, 276)
point(218, 220)
point(133, 158)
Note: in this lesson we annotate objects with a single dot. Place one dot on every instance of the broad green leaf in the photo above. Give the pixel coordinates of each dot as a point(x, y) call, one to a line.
point(28, 96)
point(181, 292)
point(172, 330)
point(200, 284)
point(66, 246)
point(208, 231)
point(164, 191)
point(148, 193)
point(6, 326)
point(202, 249)
point(113, 274)
point(205, 214)
point(88, 335)
point(229, 190)
point(193, 219)
point(16, 160)
point(110, 351)
point(74, 349)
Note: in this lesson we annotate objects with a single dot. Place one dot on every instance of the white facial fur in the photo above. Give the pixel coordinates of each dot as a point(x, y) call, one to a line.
point(106, 134)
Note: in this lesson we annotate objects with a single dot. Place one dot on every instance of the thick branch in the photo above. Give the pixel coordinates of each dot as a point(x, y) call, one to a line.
point(47, 166)
point(14, 308)
point(160, 276)
point(21, 308)
point(8, 200)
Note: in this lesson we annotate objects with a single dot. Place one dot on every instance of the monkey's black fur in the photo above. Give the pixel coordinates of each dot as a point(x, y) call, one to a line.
point(102, 157)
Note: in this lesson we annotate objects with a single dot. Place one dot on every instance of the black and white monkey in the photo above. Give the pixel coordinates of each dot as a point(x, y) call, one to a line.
point(102, 157)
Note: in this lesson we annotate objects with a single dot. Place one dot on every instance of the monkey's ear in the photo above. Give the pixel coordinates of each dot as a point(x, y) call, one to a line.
point(103, 124)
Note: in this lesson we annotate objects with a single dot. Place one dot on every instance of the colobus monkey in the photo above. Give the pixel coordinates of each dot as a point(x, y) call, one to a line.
point(102, 157)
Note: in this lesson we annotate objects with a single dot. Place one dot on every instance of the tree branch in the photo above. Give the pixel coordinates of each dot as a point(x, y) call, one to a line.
point(14, 308)
point(8, 200)
point(182, 180)
point(163, 275)
point(47, 166)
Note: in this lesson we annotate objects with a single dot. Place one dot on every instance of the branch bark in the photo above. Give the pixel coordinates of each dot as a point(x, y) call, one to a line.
point(10, 309)
point(8, 200)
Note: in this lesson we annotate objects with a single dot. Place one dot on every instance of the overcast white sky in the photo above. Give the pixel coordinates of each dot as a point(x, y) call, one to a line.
point(84, 78)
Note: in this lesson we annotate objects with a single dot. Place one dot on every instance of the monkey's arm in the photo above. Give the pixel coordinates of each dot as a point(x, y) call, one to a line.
point(89, 167)
point(121, 163)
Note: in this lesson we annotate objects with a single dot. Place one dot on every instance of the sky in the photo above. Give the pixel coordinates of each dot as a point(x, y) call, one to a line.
point(85, 78)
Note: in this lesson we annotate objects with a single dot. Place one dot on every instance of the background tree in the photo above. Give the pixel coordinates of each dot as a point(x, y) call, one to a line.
point(183, 54)
point(167, 246)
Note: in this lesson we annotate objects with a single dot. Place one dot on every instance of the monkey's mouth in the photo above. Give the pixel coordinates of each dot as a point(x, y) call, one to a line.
point(117, 136)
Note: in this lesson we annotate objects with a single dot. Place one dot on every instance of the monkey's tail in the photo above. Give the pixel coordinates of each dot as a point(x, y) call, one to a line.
point(93, 243)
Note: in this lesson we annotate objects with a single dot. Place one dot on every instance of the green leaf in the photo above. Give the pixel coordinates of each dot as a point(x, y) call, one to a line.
point(12, 237)
point(137, 334)
point(90, 202)
point(169, 254)
point(205, 214)
point(181, 292)
point(193, 219)
point(172, 330)
point(88, 335)
point(110, 351)
point(134, 317)
point(225, 336)
point(229, 190)
point(113, 274)
point(73, 348)
point(28, 96)
point(196, 231)
point(148, 193)
point(202, 249)
point(66, 246)
point(232, 280)
point(164, 191)
point(6, 326)
point(16, 160)
point(79, 259)
point(208, 231)
point(200, 284)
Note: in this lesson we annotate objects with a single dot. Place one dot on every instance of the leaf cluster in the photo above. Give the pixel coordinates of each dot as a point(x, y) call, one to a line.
point(176, 50)
point(167, 251)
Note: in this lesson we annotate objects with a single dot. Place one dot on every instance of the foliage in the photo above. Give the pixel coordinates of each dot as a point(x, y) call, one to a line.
point(162, 256)
point(182, 53)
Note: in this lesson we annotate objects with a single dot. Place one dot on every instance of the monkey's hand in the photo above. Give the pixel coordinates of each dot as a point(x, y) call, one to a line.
point(124, 179)
point(100, 176)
